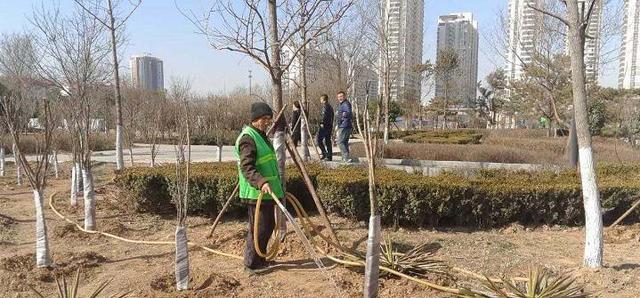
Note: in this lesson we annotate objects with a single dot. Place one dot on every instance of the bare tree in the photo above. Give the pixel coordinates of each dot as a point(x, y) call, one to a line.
point(259, 29)
point(114, 20)
point(180, 94)
point(379, 53)
point(75, 57)
point(21, 95)
point(578, 14)
point(369, 127)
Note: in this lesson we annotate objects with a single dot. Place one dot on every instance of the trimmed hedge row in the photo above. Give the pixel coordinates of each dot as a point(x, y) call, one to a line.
point(490, 198)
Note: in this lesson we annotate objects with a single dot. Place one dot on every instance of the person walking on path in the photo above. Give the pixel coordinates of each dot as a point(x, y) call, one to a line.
point(296, 123)
point(345, 126)
point(258, 173)
point(326, 126)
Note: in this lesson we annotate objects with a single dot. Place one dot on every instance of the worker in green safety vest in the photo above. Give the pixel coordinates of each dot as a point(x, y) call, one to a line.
point(258, 172)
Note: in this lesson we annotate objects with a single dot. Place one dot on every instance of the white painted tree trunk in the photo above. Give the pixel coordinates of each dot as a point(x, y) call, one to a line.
point(1, 162)
point(16, 161)
point(54, 157)
point(42, 243)
point(89, 200)
point(182, 259)
point(219, 154)
point(119, 142)
point(372, 265)
point(78, 177)
point(386, 133)
point(593, 247)
point(281, 155)
point(74, 185)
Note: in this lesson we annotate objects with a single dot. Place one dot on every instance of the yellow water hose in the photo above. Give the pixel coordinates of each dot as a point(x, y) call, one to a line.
point(308, 227)
point(271, 253)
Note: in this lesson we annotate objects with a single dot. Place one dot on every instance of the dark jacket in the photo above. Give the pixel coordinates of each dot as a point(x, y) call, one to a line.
point(248, 154)
point(344, 115)
point(326, 125)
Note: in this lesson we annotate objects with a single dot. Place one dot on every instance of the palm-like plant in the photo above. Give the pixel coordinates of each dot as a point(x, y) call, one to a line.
point(417, 261)
point(67, 290)
point(540, 284)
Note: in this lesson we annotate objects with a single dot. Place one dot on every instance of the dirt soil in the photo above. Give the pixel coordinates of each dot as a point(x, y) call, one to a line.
point(147, 270)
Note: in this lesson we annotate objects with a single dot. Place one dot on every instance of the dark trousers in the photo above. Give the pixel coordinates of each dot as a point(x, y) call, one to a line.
point(343, 142)
point(295, 137)
point(324, 142)
point(266, 224)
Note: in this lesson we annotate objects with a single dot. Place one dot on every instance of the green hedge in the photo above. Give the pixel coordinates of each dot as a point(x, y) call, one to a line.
point(490, 198)
point(210, 186)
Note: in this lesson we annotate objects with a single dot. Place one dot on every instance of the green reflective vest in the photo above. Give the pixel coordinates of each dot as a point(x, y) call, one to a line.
point(266, 164)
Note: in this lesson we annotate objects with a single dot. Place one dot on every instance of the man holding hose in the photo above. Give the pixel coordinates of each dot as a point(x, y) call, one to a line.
point(258, 173)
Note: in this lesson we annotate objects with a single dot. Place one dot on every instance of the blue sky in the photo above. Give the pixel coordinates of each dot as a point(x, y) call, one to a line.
point(158, 28)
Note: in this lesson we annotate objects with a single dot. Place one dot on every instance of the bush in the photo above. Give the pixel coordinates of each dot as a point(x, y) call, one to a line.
point(210, 186)
point(61, 142)
point(490, 198)
point(459, 137)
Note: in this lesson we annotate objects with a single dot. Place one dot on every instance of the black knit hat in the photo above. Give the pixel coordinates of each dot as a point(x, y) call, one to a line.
point(259, 109)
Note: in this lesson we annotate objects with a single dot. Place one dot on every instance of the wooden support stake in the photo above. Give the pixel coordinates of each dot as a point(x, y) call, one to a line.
point(307, 181)
point(621, 218)
point(224, 208)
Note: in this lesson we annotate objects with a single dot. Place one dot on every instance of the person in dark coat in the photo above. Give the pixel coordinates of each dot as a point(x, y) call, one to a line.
point(296, 123)
point(345, 126)
point(326, 127)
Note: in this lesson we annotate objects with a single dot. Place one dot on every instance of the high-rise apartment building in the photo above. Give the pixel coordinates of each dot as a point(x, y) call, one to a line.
point(629, 73)
point(147, 72)
point(524, 25)
point(404, 29)
point(592, 43)
point(458, 32)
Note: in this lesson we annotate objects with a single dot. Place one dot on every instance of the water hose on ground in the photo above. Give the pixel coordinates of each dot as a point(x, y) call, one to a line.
point(308, 226)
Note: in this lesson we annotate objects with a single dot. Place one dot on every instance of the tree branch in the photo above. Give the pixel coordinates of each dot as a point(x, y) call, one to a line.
point(551, 14)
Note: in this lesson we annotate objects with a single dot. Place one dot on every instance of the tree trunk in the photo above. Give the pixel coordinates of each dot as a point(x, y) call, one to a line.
point(304, 136)
point(387, 99)
point(572, 146)
point(182, 259)
point(131, 154)
point(74, 185)
point(276, 82)
point(78, 176)
point(219, 154)
point(16, 162)
point(55, 164)
point(116, 86)
point(593, 249)
point(89, 199)
point(1, 162)
point(42, 242)
point(372, 265)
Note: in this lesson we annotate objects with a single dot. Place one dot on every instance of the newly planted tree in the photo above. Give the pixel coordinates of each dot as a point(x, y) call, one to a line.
point(180, 94)
point(75, 57)
point(368, 129)
point(22, 95)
